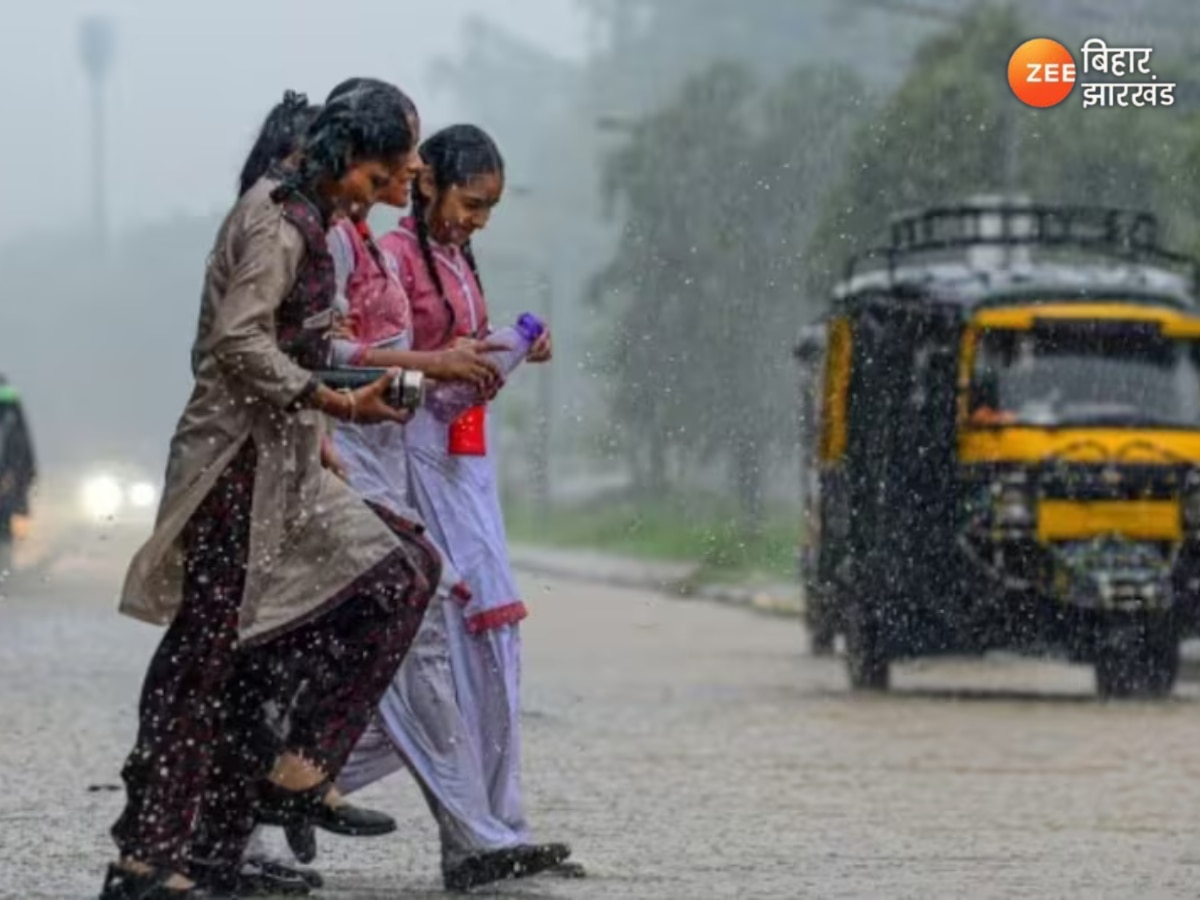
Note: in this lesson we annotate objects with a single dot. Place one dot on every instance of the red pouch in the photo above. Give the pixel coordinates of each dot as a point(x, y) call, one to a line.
point(468, 433)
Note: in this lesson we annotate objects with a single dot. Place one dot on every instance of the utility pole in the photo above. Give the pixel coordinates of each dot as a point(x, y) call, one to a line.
point(97, 49)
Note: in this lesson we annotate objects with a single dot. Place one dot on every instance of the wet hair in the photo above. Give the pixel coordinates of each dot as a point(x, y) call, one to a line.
point(349, 88)
point(367, 122)
point(280, 136)
point(454, 156)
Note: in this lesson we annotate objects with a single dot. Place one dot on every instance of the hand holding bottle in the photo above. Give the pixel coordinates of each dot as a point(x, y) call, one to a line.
point(542, 350)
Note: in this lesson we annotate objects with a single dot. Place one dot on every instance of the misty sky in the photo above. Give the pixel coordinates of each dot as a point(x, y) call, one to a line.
point(193, 80)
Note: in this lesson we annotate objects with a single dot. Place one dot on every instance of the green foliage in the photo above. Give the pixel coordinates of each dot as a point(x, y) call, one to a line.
point(719, 191)
point(686, 528)
point(953, 129)
point(941, 134)
point(742, 192)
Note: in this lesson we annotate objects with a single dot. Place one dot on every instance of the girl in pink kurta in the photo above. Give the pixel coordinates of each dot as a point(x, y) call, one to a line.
point(421, 721)
point(457, 495)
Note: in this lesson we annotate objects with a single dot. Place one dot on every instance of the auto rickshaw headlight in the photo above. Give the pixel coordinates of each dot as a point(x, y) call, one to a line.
point(1012, 508)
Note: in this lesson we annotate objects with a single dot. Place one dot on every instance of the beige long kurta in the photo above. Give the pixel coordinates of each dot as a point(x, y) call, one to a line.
point(310, 536)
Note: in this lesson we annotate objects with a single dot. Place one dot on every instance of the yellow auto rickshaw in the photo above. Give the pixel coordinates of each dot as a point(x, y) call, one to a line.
point(1004, 451)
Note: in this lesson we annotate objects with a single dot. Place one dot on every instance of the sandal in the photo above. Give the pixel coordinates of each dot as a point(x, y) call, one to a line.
point(568, 869)
point(302, 841)
point(273, 867)
point(252, 878)
point(280, 807)
point(122, 884)
point(522, 861)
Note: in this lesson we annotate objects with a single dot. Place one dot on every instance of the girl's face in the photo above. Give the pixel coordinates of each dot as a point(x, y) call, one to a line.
point(456, 213)
point(399, 189)
point(357, 191)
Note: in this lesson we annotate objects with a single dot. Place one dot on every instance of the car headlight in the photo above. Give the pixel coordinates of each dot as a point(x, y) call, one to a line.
point(143, 495)
point(1012, 508)
point(102, 497)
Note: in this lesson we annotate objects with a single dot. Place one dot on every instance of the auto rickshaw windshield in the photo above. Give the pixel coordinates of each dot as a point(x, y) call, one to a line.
point(1085, 374)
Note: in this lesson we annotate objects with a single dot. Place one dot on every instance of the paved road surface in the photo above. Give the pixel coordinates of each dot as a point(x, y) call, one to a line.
point(687, 751)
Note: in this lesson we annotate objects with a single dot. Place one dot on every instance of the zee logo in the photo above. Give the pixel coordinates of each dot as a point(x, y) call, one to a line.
point(1041, 73)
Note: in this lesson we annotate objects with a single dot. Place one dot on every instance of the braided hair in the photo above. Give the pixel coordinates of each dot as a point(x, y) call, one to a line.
point(370, 122)
point(454, 156)
point(280, 136)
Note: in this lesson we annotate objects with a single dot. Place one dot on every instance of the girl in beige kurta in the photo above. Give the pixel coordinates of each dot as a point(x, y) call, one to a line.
point(267, 567)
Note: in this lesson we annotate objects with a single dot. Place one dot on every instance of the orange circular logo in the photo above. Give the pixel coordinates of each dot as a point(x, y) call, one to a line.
point(1041, 73)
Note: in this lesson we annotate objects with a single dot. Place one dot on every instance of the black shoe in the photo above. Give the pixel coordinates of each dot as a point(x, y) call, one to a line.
point(270, 866)
point(546, 857)
point(302, 841)
point(281, 807)
point(253, 878)
point(501, 865)
point(568, 869)
point(121, 884)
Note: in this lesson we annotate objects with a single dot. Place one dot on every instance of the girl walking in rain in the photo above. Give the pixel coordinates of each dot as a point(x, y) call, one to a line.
point(421, 721)
point(261, 560)
point(458, 495)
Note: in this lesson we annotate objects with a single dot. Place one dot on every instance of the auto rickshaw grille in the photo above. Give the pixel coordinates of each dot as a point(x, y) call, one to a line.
point(1085, 482)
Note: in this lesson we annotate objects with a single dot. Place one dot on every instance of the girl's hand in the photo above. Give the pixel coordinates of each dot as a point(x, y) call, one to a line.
point(489, 393)
point(542, 349)
point(465, 361)
point(330, 459)
point(344, 327)
point(368, 405)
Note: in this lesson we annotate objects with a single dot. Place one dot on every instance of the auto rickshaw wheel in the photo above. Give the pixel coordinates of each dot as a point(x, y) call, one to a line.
point(1139, 660)
point(867, 664)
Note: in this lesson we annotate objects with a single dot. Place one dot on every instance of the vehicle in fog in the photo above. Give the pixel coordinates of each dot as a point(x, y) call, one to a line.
point(1003, 451)
point(97, 500)
point(18, 471)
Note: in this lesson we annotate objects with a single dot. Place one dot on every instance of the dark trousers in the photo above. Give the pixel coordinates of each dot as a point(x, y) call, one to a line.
point(202, 743)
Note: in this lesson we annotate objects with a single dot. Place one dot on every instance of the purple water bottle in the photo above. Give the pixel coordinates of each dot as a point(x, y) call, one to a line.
point(448, 400)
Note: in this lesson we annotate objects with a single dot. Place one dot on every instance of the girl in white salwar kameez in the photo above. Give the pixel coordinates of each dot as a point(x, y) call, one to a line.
point(457, 496)
point(420, 722)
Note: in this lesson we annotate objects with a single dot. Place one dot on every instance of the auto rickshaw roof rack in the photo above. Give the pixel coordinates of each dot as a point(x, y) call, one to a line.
point(1111, 233)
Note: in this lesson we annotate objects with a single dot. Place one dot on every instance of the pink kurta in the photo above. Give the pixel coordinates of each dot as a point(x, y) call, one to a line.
point(437, 320)
point(369, 292)
point(458, 496)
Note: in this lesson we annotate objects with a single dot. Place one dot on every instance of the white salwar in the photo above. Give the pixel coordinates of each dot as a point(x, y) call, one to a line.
point(425, 720)
point(458, 499)
point(422, 724)
point(422, 720)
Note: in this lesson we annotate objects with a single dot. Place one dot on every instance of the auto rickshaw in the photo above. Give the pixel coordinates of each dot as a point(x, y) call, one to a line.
point(1004, 446)
point(820, 621)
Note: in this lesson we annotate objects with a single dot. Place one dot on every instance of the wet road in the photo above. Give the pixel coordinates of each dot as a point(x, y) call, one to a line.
point(687, 751)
